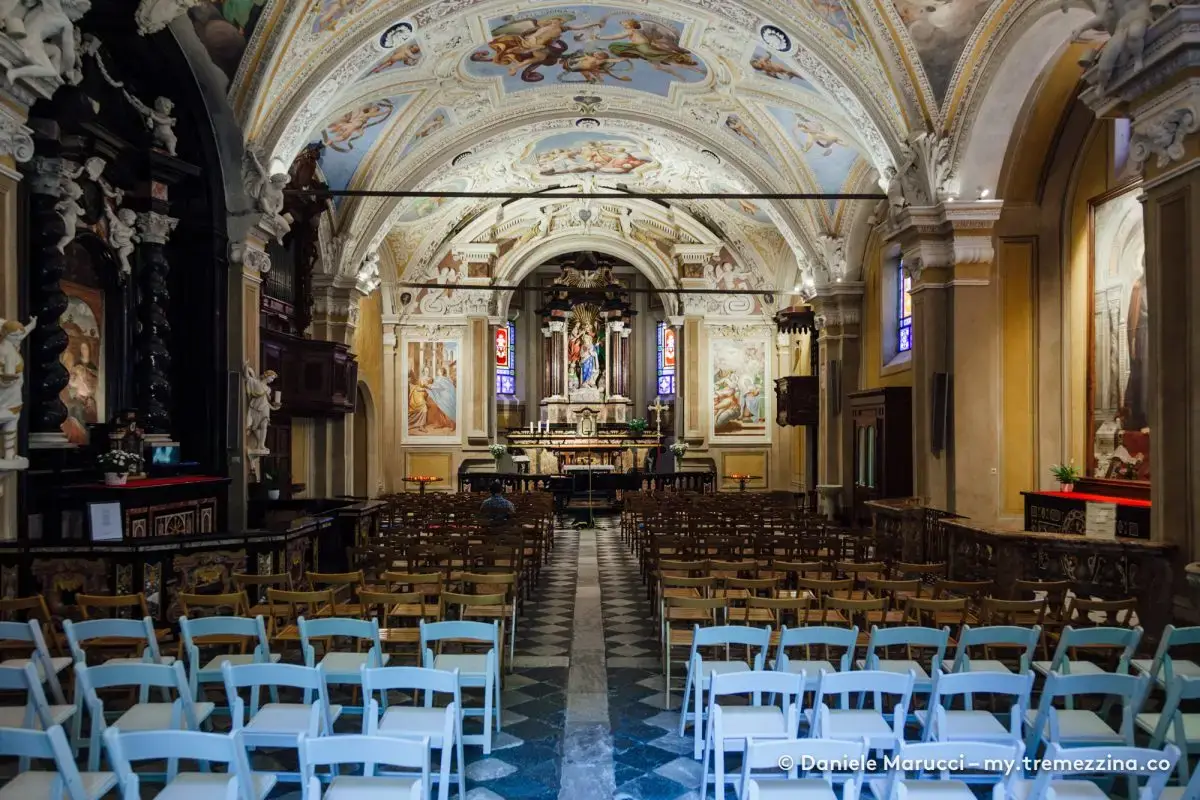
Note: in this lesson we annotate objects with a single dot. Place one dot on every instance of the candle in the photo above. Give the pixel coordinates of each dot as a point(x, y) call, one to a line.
point(531, 426)
point(278, 397)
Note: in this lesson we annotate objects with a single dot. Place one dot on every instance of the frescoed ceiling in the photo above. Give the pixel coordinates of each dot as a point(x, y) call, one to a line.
point(814, 96)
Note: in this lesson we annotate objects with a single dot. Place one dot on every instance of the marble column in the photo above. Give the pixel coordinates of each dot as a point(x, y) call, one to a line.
point(694, 393)
point(152, 367)
point(390, 411)
point(481, 357)
point(1162, 99)
point(785, 437)
point(624, 381)
point(838, 315)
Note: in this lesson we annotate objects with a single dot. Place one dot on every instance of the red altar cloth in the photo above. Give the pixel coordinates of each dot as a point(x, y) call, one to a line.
point(152, 483)
point(1096, 498)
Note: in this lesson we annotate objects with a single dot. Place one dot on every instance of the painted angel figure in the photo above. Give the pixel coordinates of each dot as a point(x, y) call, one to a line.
point(122, 234)
point(159, 122)
point(656, 44)
point(69, 211)
point(258, 414)
point(12, 381)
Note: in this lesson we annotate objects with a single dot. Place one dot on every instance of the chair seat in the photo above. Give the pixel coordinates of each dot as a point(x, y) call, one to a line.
point(901, 666)
point(802, 789)
point(206, 785)
point(1181, 667)
point(811, 669)
point(738, 722)
point(28, 785)
point(357, 787)
point(285, 718)
point(751, 615)
point(466, 663)
point(1079, 727)
point(1191, 728)
point(14, 716)
point(677, 614)
point(156, 716)
point(166, 660)
point(488, 612)
point(428, 611)
point(856, 724)
point(978, 665)
point(57, 663)
point(970, 726)
point(1069, 790)
point(925, 790)
point(233, 659)
point(1073, 668)
point(710, 668)
point(413, 720)
point(338, 666)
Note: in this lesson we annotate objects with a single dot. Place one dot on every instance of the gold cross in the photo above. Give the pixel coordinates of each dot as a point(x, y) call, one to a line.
point(658, 408)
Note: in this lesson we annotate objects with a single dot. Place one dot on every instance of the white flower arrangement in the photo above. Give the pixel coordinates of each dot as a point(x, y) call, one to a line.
point(497, 450)
point(120, 462)
point(679, 449)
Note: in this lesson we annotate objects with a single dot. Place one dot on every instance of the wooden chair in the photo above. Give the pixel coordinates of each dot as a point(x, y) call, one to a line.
point(842, 612)
point(255, 587)
point(687, 613)
point(342, 584)
point(102, 606)
point(396, 627)
point(490, 584)
point(951, 612)
point(478, 608)
point(284, 628)
point(26, 609)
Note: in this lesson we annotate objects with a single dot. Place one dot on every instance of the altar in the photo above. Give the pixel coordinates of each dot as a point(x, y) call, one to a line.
point(556, 451)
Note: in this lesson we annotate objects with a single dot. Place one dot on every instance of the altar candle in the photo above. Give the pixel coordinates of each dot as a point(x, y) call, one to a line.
point(278, 397)
point(531, 426)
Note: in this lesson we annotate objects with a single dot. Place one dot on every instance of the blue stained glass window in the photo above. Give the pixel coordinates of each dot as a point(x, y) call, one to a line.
point(667, 359)
point(506, 360)
point(904, 312)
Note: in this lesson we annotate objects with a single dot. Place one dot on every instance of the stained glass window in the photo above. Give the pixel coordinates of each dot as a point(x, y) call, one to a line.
point(506, 368)
point(666, 359)
point(904, 315)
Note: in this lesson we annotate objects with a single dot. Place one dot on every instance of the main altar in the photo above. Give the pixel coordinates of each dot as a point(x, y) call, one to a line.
point(559, 449)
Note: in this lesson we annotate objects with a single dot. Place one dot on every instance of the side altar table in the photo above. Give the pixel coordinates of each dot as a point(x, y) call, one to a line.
point(619, 451)
point(150, 507)
point(1066, 512)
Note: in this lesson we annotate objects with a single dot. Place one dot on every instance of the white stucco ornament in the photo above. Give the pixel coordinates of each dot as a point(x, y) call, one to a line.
point(45, 31)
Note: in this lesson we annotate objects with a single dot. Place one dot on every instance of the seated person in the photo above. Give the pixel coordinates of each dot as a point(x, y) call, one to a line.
point(497, 508)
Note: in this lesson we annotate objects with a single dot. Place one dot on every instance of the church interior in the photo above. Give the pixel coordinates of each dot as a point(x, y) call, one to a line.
point(584, 401)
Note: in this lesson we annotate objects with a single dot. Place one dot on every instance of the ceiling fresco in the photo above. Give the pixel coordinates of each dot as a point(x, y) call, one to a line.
point(587, 153)
point(350, 136)
point(939, 30)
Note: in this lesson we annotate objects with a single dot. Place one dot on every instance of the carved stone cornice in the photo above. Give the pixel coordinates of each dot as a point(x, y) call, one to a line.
point(155, 228)
point(476, 252)
point(1161, 125)
point(745, 331)
point(433, 332)
point(947, 244)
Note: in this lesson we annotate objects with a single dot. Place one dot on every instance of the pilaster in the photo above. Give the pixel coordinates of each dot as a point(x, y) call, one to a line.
point(390, 409)
point(838, 309)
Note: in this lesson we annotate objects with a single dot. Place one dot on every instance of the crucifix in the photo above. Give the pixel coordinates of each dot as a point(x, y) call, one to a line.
point(658, 408)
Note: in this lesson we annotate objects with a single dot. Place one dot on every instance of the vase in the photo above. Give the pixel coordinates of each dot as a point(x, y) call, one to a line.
point(115, 478)
point(1066, 487)
point(272, 494)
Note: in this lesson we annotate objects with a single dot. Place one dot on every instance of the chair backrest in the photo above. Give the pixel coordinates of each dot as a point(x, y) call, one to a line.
point(1171, 637)
point(49, 744)
point(1157, 765)
point(408, 754)
point(1125, 638)
point(820, 636)
point(460, 629)
point(200, 605)
point(365, 630)
point(26, 679)
point(1131, 690)
point(997, 636)
point(945, 685)
point(90, 603)
point(759, 638)
point(934, 759)
point(412, 679)
point(908, 637)
point(1179, 690)
point(31, 632)
point(124, 748)
point(806, 756)
point(874, 682)
point(193, 632)
point(134, 630)
point(240, 676)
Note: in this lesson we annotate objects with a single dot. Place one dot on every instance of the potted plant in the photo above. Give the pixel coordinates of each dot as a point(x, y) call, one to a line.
point(679, 449)
point(1066, 475)
point(637, 427)
point(497, 450)
point(116, 466)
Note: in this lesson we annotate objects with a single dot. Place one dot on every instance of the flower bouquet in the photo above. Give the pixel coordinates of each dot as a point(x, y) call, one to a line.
point(117, 464)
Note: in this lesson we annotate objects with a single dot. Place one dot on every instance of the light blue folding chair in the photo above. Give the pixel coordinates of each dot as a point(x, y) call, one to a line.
point(237, 783)
point(108, 632)
point(729, 726)
point(50, 745)
point(1172, 724)
point(817, 636)
point(844, 722)
point(442, 726)
point(370, 751)
point(1164, 668)
point(48, 666)
point(37, 713)
point(913, 639)
point(1189, 791)
point(1063, 662)
point(1008, 637)
point(929, 763)
point(701, 669)
point(789, 765)
point(342, 668)
point(279, 724)
point(180, 713)
point(475, 670)
point(221, 631)
point(940, 723)
point(1074, 728)
point(1069, 774)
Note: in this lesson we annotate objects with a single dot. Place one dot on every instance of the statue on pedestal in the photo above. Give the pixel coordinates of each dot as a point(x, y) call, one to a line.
point(12, 383)
point(258, 414)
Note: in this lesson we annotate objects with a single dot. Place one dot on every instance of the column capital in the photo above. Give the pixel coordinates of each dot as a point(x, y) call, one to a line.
point(838, 310)
point(154, 227)
point(949, 244)
point(335, 307)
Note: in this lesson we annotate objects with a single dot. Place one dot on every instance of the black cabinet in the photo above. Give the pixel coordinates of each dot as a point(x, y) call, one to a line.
point(883, 444)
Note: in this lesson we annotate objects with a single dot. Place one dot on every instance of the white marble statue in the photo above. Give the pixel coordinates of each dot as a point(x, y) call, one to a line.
point(12, 382)
point(122, 234)
point(265, 189)
point(69, 211)
point(47, 35)
point(258, 414)
point(895, 193)
point(159, 122)
point(1125, 21)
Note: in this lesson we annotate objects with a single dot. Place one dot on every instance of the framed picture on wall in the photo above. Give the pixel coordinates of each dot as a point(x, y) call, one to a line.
point(1119, 339)
point(432, 397)
point(739, 374)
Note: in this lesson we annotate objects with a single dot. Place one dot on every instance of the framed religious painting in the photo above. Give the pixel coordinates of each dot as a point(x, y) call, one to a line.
point(1119, 339)
point(83, 358)
point(739, 368)
point(432, 399)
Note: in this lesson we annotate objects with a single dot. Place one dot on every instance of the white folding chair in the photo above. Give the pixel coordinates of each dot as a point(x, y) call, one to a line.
point(370, 751)
point(67, 782)
point(238, 783)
